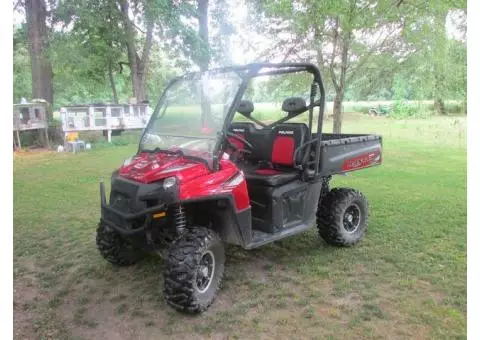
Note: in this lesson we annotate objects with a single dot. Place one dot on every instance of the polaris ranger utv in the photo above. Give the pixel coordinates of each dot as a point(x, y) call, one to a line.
point(201, 179)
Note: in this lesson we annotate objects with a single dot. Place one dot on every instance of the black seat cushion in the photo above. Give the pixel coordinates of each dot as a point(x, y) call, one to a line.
point(271, 177)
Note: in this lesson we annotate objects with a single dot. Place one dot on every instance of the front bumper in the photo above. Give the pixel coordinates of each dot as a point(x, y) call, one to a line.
point(126, 224)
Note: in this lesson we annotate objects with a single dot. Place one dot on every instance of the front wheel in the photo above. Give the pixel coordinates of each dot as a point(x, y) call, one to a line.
point(115, 249)
point(342, 217)
point(194, 269)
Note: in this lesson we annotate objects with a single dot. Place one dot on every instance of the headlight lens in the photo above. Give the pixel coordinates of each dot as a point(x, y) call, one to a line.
point(169, 182)
point(128, 161)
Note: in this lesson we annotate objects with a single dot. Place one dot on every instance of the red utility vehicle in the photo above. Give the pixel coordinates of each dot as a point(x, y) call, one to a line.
point(210, 171)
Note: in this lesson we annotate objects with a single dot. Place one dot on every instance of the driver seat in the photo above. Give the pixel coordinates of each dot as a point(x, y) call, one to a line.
point(285, 139)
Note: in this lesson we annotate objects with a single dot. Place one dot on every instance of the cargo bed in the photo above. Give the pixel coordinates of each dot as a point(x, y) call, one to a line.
point(340, 153)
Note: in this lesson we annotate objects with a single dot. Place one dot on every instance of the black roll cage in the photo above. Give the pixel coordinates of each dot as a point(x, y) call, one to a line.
point(247, 72)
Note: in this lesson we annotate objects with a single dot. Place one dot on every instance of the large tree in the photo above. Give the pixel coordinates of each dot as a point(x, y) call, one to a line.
point(203, 56)
point(123, 32)
point(92, 29)
point(430, 37)
point(138, 63)
point(339, 36)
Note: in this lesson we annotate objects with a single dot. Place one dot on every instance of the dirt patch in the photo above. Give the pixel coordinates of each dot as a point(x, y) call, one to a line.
point(260, 296)
point(27, 298)
point(437, 296)
point(350, 301)
point(32, 152)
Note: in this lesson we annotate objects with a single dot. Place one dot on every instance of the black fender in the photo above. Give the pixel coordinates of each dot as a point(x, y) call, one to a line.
point(234, 227)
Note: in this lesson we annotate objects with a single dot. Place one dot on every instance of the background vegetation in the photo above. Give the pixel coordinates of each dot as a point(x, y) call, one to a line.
point(74, 51)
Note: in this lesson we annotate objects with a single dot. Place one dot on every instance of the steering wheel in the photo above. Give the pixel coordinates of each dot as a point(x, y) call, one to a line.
point(241, 139)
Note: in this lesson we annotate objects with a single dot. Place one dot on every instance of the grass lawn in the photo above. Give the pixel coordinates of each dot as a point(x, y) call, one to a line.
point(406, 279)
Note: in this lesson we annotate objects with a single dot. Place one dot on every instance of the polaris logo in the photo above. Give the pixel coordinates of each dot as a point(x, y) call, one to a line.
point(285, 132)
point(238, 130)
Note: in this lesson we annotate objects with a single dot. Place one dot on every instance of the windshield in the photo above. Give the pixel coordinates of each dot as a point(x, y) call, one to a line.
point(192, 114)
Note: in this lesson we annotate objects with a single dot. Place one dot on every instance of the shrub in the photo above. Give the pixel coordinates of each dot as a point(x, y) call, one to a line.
point(402, 109)
point(455, 108)
point(451, 107)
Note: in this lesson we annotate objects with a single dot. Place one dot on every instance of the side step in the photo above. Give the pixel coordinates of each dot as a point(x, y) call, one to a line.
point(259, 238)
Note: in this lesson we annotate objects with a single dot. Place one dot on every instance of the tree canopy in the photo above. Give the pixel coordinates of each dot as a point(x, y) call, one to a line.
point(113, 50)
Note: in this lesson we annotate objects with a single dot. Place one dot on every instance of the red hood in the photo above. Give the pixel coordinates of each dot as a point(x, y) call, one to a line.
point(148, 168)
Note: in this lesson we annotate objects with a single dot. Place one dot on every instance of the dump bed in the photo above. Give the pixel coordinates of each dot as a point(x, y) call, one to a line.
point(342, 153)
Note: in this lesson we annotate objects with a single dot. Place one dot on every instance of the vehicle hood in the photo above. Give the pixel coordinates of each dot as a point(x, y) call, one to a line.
point(148, 168)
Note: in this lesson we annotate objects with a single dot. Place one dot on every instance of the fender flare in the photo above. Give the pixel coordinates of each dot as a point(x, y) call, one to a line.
point(236, 226)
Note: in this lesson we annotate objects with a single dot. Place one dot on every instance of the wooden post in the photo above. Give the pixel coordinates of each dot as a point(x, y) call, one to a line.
point(18, 140)
point(108, 115)
point(121, 119)
point(91, 117)
point(47, 142)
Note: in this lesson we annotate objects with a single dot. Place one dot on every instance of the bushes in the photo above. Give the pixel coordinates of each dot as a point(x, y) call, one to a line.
point(455, 108)
point(452, 107)
point(55, 131)
point(403, 109)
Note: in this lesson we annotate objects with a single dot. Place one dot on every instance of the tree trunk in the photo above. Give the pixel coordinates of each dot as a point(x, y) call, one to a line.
point(36, 15)
point(337, 114)
point(204, 57)
point(130, 44)
point(439, 106)
point(143, 64)
point(138, 65)
point(340, 89)
point(439, 67)
point(112, 82)
point(204, 60)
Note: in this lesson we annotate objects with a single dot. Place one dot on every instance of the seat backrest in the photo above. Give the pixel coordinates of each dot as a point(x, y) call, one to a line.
point(275, 145)
point(261, 140)
point(241, 129)
point(294, 105)
point(286, 138)
point(245, 107)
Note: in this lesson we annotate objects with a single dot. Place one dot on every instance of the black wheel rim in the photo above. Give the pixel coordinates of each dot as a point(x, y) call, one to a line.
point(205, 272)
point(351, 218)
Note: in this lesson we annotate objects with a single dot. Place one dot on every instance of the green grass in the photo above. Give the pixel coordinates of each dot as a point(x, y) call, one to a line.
point(406, 279)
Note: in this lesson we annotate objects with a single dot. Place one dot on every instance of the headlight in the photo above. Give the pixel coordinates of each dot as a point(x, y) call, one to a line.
point(169, 182)
point(128, 161)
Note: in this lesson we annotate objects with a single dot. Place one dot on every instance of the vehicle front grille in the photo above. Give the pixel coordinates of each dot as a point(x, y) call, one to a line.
point(121, 202)
point(124, 197)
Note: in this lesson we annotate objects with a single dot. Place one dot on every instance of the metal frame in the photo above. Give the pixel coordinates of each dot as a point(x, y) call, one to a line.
point(248, 72)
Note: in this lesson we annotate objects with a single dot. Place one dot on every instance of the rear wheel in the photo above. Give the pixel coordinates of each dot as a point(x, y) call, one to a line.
point(342, 217)
point(194, 269)
point(115, 249)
